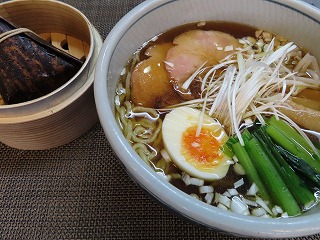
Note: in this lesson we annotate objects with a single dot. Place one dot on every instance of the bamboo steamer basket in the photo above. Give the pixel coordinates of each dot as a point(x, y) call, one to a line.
point(68, 112)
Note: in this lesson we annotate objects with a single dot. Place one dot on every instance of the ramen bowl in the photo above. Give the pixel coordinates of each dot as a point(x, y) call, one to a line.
point(295, 20)
point(69, 111)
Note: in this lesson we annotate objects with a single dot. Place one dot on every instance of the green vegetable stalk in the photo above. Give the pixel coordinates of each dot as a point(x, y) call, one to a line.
point(275, 185)
point(297, 187)
point(293, 142)
point(250, 170)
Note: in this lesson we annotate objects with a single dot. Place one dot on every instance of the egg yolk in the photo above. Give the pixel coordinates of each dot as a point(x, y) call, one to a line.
point(202, 151)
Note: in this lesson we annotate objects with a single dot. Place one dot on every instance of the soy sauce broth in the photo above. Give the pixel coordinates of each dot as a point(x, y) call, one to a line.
point(238, 30)
point(220, 186)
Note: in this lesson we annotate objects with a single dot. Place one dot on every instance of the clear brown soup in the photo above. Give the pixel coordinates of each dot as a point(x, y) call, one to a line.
point(238, 31)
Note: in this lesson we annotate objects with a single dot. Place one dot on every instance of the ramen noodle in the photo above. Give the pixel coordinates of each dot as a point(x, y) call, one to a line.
point(185, 94)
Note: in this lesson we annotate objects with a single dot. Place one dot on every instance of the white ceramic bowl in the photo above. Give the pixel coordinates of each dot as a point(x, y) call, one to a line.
point(293, 19)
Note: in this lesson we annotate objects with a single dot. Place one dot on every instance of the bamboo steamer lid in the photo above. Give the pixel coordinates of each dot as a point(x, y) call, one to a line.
point(68, 112)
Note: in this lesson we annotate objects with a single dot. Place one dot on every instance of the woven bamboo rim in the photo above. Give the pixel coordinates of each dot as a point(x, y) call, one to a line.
point(68, 112)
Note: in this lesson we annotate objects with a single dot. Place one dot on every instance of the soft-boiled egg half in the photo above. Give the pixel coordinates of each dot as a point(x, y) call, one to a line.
point(197, 153)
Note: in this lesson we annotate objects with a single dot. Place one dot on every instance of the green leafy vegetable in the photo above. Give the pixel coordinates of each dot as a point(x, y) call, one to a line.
point(289, 139)
point(275, 185)
point(300, 166)
point(250, 170)
point(294, 183)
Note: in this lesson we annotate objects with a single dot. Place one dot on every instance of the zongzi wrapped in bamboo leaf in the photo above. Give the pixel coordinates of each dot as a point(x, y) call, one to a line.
point(30, 67)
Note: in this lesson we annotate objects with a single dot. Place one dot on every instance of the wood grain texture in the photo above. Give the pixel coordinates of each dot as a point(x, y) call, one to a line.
point(63, 120)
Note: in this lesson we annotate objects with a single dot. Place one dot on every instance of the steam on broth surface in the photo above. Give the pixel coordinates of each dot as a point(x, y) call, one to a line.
point(199, 102)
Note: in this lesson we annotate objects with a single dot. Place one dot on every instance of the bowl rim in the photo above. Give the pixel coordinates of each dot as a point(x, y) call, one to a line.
point(154, 184)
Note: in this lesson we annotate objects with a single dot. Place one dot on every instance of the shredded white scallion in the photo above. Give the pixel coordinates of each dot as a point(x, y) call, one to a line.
point(251, 85)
